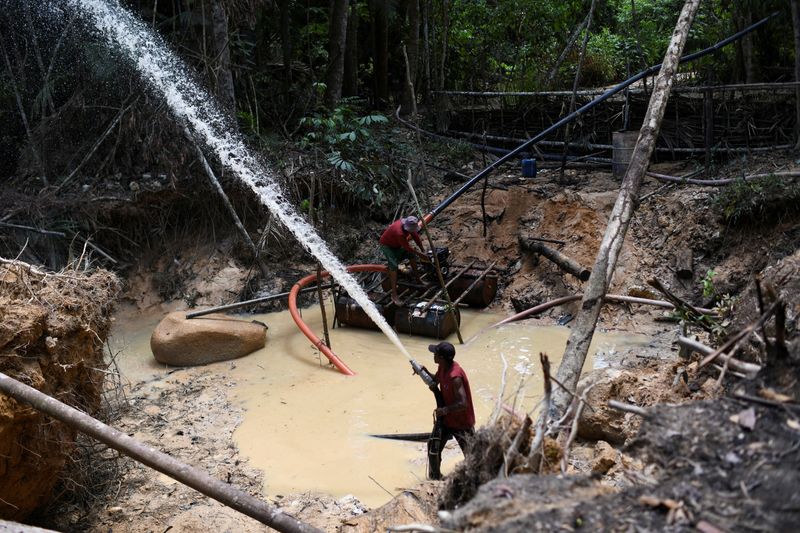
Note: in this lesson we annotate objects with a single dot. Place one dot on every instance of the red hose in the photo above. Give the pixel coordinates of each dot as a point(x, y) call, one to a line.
point(315, 340)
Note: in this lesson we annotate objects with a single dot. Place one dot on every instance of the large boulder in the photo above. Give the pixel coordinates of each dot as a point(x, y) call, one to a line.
point(177, 341)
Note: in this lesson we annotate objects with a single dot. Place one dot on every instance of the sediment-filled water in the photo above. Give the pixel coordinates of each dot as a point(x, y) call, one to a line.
point(307, 426)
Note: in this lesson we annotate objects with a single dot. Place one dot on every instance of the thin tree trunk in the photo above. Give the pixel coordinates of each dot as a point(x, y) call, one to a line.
point(575, 84)
point(796, 26)
point(570, 43)
point(426, 51)
point(224, 75)
point(212, 178)
point(21, 108)
point(286, 39)
point(445, 44)
point(581, 336)
point(637, 31)
point(380, 28)
point(408, 105)
point(337, 38)
point(350, 83)
point(748, 48)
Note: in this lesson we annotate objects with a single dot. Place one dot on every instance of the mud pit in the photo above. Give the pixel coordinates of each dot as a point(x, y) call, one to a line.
point(307, 427)
point(203, 415)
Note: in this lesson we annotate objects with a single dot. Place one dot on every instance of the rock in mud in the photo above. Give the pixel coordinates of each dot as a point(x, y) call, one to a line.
point(177, 341)
point(605, 456)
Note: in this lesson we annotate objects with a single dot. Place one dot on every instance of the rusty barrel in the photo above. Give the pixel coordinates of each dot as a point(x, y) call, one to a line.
point(350, 313)
point(481, 295)
point(623, 143)
point(437, 322)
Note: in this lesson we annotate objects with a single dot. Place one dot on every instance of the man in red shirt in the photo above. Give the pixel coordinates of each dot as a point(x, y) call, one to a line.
point(395, 246)
point(456, 417)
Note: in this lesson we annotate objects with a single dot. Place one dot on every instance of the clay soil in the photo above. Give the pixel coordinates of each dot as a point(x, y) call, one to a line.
point(694, 462)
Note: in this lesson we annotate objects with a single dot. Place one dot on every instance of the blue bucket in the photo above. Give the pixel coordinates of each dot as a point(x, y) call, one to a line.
point(529, 168)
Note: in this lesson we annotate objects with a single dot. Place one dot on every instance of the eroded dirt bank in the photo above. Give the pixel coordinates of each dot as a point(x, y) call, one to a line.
point(52, 331)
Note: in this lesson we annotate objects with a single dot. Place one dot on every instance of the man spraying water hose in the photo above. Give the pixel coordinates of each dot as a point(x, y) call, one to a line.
point(395, 246)
point(454, 416)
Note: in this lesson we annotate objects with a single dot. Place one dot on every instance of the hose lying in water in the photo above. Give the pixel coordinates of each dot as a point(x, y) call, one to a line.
point(306, 330)
point(617, 298)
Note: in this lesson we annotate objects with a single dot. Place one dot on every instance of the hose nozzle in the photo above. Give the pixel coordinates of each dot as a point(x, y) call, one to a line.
point(423, 373)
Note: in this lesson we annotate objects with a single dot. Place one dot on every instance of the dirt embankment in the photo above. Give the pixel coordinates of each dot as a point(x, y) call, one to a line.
point(52, 331)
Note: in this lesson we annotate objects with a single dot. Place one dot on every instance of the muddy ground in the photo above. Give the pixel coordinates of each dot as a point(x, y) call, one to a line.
point(694, 466)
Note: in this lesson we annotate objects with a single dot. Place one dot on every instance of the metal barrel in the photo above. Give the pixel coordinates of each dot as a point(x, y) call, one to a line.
point(481, 295)
point(623, 143)
point(350, 313)
point(437, 322)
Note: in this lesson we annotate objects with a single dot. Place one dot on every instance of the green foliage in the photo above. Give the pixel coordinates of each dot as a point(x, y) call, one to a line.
point(764, 200)
point(708, 284)
point(605, 58)
point(350, 147)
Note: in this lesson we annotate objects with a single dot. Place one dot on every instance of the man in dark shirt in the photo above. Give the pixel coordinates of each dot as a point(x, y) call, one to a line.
point(395, 246)
point(456, 416)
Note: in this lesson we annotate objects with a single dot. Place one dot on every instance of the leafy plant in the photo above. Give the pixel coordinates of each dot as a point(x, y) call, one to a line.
point(351, 148)
point(762, 200)
point(708, 284)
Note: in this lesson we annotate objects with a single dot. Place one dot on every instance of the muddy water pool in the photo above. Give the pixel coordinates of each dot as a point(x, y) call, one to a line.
point(308, 427)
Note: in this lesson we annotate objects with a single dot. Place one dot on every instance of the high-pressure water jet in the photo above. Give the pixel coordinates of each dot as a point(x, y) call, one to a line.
point(168, 76)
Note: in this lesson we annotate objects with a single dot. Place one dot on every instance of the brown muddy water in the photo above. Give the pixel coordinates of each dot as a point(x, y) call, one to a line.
point(308, 427)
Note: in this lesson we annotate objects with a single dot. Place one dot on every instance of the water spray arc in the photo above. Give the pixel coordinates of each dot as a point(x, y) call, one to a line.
point(167, 75)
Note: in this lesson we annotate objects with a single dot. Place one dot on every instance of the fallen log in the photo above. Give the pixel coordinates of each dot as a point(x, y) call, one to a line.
point(563, 262)
point(182, 472)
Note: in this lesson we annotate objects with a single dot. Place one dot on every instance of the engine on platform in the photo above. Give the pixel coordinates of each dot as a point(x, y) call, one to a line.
point(424, 311)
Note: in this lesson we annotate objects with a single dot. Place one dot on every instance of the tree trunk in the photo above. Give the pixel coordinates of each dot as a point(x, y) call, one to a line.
point(286, 39)
point(796, 26)
point(576, 82)
point(748, 49)
point(380, 29)
point(570, 42)
point(412, 52)
point(224, 75)
point(350, 83)
point(426, 52)
point(445, 43)
point(581, 336)
point(742, 16)
point(337, 37)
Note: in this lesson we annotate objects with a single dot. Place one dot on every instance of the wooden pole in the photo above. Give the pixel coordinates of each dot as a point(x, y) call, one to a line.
point(435, 258)
point(239, 305)
point(581, 335)
point(442, 289)
point(182, 472)
point(474, 284)
point(212, 178)
point(322, 307)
